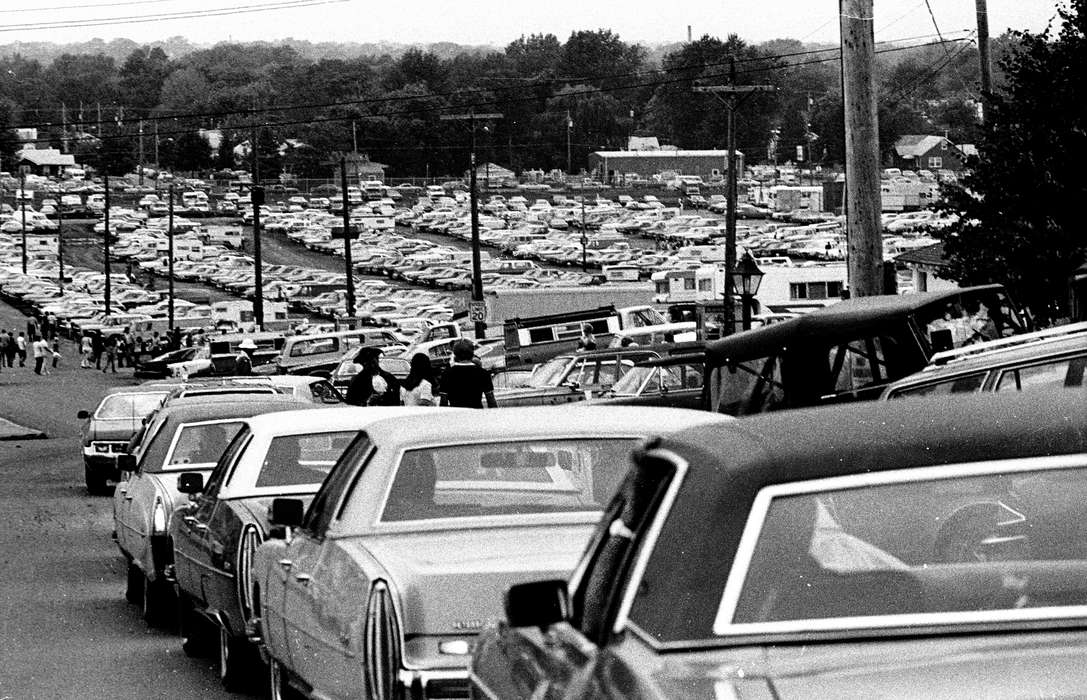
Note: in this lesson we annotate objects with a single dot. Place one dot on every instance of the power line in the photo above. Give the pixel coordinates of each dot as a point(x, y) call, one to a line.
point(58, 8)
point(543, 83)
point(182, 14)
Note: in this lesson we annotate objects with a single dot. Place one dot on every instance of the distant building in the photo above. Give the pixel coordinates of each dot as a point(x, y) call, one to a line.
point(926, 265)
point(43, 161)
point(492, 173)
point(359, 168)
point(710, 165)
point(919, 152)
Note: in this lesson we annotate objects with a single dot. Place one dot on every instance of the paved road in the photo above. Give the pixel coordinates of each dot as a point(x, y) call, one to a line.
point(65, 628)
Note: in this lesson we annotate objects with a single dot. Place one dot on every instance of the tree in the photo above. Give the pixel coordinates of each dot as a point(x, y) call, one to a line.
point(193, 152)
point(1020, 207)
point(141, 78)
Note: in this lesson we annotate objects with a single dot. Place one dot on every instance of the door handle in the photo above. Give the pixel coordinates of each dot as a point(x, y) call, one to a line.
point(286, 564)
point(189, 520)
point(304, 579)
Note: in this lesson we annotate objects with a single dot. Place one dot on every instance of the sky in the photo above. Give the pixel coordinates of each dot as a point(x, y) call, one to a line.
point(491, 22)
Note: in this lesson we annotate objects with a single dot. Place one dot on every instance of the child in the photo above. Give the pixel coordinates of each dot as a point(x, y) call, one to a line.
point(56, 351)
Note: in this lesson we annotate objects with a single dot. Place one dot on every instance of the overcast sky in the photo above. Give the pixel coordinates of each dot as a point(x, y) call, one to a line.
point(494, 22)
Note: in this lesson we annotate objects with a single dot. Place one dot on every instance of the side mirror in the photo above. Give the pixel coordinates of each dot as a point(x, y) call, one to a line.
point(286, 512)
point(83, 415)
point(537, 604)
point(190, 483)
point(126, 463)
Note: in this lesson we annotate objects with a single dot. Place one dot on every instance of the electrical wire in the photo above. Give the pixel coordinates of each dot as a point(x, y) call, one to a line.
point(543, 83)
point(182, 14)
point(58, 8)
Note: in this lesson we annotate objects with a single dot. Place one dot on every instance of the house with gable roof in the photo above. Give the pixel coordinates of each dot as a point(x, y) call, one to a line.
point(43, 161)
point(921, 152)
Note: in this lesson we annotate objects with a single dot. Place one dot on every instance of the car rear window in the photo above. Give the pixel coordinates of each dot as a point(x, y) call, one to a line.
point(129, 405)
point(977, 544)
point(541, 476)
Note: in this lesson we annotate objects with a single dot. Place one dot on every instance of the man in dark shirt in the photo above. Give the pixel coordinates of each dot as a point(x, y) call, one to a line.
point(465, 383)
point(372, 386)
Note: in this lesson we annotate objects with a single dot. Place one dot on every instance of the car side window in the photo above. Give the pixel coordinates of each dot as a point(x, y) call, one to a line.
point(225, 464)
point(1066, 373)
point(967, 384)
point(326, 505)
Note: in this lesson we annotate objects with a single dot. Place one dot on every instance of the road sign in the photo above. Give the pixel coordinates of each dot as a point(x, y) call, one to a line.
point(477, 311)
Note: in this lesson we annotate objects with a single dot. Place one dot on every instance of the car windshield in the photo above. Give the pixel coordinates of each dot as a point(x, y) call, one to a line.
point(201, 443)
point(297, 460)
point(550, 373)
point(907, 548)
point(539, 476)
point(633, 382)
point(129, 405)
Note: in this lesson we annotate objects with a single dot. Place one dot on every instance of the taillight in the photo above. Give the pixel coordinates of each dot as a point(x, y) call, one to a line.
point(247, 549)
point(382, 644)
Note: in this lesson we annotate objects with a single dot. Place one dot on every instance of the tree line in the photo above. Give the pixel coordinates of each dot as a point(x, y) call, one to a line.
point(558, 100)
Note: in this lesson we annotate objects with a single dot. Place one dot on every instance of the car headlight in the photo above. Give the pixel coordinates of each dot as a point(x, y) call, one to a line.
point(101, 447)
point(158, 518)
point(382, 640)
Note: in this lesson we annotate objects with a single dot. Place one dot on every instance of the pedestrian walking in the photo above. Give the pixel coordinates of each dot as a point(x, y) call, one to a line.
point(39, 347)
point(465, 384)
point(96, 348)
point(5, 341)
point(243, 362)
point(587, 341)
point(52, 318)
point(110, 347)
point(372, 386)
point(20, 343)
point(12, 349)
point(121, 350)
point(56, 351)
point(85, 349)
point(417, 389)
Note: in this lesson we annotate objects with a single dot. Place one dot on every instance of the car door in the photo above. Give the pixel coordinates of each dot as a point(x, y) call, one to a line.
point(542, 664)
point(194, 556)
point(132, 494)
point(311, 655)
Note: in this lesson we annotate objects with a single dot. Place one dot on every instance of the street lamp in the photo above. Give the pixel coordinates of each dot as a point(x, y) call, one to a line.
point(746, 277)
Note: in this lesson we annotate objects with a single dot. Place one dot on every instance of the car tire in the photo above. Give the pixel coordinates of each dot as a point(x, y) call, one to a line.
point(279, 687)
point(157, 602)
point(192, 628)
point(236, 660)
point(134, 584)
point(97, 485)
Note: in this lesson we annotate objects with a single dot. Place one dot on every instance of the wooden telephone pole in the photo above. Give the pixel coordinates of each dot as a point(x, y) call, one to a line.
point(983, 54)
point(731, 95)
point(477, 273)
point(863, 231)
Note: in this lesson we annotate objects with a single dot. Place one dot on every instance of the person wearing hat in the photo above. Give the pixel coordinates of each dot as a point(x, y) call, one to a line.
point(243, 363)
point(465, 384)
point(372, 386)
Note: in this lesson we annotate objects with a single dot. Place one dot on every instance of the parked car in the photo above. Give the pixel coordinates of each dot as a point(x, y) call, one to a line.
point(575, 376)
point(1041, 361)
point(107, 431)
point(674, 381)
point(402, 556)
point(189, 434)
point(158, 367)
point(217, 532)
point(934, 545)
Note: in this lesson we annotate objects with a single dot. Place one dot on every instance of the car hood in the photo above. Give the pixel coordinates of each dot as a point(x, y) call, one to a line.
point(113, 428)
point(453, 582)
point(1008, 665)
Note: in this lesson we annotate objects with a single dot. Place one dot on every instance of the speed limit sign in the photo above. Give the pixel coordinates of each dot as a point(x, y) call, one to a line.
point(477, 311)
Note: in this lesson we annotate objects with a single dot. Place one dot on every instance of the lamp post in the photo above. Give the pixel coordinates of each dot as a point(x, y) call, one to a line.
point(746, 277)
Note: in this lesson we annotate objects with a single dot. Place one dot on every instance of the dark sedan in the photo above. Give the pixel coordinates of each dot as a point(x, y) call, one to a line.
point(907, 549)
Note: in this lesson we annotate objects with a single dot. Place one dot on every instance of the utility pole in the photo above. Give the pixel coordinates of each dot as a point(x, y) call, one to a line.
point(156, 144)
point(983, 54)
point(141, 153)
point(256, 197)
point(865, 242)
point(22, 198)
point(60, 249)
point(170, 271)
point(731, 95)
point(354, 139)
point(105, 239)
point(569, 127)
point(477, 273)
point(63, 128)
point(347, 240)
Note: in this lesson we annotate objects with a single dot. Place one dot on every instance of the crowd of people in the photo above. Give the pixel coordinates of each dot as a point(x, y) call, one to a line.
point(463, 384)
point(38, 343)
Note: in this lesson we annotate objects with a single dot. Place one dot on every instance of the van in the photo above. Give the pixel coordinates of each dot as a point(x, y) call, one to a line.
point(533, 340)
point(322, 351)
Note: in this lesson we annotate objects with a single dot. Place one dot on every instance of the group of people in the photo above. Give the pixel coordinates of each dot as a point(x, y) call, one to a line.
point(464, 384)
point(35, 341)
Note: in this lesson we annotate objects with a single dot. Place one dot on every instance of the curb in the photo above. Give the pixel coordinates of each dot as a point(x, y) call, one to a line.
point(14, 431)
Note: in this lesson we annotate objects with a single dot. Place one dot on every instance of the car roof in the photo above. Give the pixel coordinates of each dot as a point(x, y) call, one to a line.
point(840, 319)
point(729, 465)
point(337, 418)
point(538, 422)
point(227, 406)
